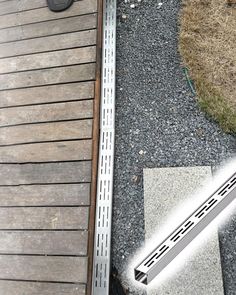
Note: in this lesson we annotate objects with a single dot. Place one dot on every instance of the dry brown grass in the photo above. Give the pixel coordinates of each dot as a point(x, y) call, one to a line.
point(208, 47)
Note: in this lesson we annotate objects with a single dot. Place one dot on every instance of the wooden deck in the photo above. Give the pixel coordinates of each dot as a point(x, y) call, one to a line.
point(49, 102)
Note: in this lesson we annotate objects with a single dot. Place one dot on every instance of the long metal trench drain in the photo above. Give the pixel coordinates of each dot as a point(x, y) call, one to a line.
point(154, 263)
point(102, 241)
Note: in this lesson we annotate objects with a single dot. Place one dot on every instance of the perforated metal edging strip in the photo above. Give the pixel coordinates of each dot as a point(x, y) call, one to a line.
point(102, 241)
point(165, 252)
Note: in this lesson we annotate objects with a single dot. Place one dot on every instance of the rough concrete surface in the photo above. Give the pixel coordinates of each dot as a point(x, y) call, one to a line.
point(158, 122)
point(165, 190)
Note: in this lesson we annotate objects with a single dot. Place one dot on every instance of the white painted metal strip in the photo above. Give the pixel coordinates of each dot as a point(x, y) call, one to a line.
point(102, 241)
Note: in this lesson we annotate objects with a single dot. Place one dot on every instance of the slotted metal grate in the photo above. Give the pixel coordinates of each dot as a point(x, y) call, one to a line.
point(101, 264)
point(186, 232)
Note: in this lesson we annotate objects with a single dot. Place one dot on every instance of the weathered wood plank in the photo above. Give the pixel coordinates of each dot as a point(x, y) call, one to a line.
point(33, 288)
point(44, 218)
point(50, 43)
point(47, 152)
point(45, 195)
point(71, 172)
point(48, 60)
point(48, 76)
point(44, 14)
point(47, 94)
point(46, 112)
point(44, 242)
point(16, 5)
point(43, 268)
point(67, 25)
point(81, 129)
point(22, 5)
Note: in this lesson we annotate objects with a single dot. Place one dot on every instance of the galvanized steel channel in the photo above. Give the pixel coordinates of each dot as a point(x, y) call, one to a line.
point(102, 241)
point(165, 252)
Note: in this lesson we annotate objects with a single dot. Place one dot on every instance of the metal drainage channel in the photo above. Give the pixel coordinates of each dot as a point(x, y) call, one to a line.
point(102, 241)
point(157, 260)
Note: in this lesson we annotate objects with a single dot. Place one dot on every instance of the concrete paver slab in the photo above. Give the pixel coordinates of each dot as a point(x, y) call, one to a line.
point(165, 189)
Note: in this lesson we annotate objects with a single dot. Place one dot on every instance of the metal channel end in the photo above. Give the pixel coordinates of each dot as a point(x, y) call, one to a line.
point(102, 240)
point(165, 252)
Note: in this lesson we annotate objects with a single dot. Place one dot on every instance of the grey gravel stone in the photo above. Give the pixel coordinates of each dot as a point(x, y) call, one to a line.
point(157, 113)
